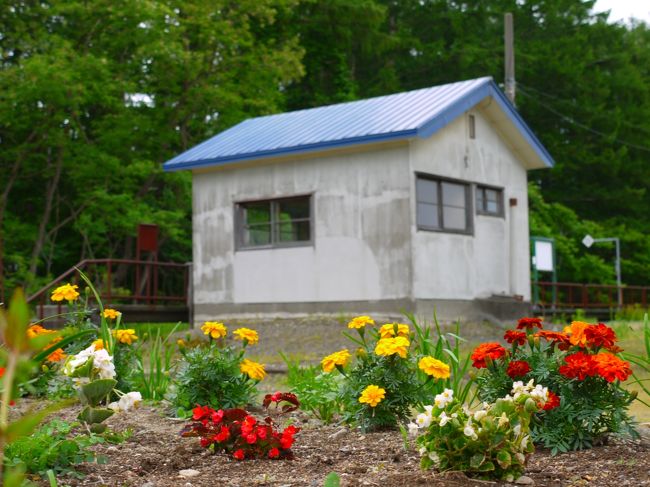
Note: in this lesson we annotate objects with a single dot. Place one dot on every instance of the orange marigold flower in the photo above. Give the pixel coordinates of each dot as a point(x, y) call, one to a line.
point(36, 330)
point(388, 330)
point(490, 350)
point(552, 402)
point(600, 335)
point(529, 323)
point(578, 365)
point(518, 368)
point(360, 322)
point(67, 292)
point(58, 354)
point(514, 336)
point(111, 313)
point(99, 344)
point(610, 367)
point(577, 333)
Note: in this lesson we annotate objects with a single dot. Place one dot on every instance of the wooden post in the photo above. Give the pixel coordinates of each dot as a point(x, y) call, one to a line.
point(509, 58)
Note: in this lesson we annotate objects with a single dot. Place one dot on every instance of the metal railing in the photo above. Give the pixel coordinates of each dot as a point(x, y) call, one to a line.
point(124, 281)
point(573, 295)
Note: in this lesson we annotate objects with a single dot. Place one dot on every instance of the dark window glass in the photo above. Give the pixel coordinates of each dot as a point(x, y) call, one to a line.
point(489, 201)
point(274, 222)
point(442, 205)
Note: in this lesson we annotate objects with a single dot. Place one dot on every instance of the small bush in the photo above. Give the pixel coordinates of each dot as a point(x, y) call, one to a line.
point(216, 375)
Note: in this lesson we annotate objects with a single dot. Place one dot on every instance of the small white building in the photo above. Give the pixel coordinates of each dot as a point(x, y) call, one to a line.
point(398, 203)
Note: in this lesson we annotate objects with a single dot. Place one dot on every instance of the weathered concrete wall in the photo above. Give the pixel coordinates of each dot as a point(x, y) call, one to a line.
point(361, 249)
point(494, 260)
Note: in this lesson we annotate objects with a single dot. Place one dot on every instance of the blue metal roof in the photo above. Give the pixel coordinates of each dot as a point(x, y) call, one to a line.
point(418, 113)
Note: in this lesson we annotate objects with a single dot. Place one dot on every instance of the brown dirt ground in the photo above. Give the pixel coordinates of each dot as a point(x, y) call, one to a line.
point(155, 454)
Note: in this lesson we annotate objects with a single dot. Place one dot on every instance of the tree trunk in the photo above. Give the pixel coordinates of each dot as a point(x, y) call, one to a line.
point(3, 206)
point(42, 228)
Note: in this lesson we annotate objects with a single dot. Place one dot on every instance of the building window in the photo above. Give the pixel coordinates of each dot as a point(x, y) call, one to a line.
point(281, 222)
point(472, 127)
point(489, 201)
point(443, 205)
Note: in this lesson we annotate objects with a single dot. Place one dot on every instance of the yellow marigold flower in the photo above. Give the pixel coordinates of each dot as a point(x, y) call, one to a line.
point(57, 355)
point(246, 334)
point(577, 333)
point(36, 330)
point(111, 313)
point(361, 321)
point(125, 336)
point(214, 329)
point(67, 292)
point(390, 346)
point(181, 343)
point(434, 367)
point(99, 344)
point(254, 370)
point(388, 330)
point(337, 358)
point(372, 395)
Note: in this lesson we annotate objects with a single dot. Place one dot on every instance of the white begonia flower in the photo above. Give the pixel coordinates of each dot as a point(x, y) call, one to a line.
point(444, 419)
point(130, 401)
point(428, 409)
point(517, 430)
point(503, 420)
point(540, 393)
point(422, 450)
point(103, 363)
point(423, 420)
point(114, 406)
point(76, 361)
point(524, 442)
point(479, 415)
point(469, 431)
point(445, 397)
point(520, 457)
point(413, 429)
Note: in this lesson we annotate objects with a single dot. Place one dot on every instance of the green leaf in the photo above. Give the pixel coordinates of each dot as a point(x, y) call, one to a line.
point(97, 428)
point(94, 392)
point(28, 423)
point(504, 459)
point(487, 467)
point(476, 460)
point(92, 415)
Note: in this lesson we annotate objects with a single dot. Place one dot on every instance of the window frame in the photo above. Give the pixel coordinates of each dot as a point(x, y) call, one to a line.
point(239, 223)
point(469, 206)
point(500, 213)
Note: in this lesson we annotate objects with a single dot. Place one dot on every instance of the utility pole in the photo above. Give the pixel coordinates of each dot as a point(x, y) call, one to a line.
point(588, 241)
point(510, 58)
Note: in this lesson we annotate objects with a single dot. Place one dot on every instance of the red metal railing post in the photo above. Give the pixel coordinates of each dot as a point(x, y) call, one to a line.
point(585, 296)
point(109, 277)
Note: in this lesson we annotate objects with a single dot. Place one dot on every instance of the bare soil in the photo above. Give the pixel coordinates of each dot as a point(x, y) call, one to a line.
point(156, 456)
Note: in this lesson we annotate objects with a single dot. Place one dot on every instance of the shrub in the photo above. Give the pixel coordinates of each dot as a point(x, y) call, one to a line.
point(237, 433)
point(316, 389)
point(394, 370)
point(582, 370)
point(491, 443)
point(216, 375)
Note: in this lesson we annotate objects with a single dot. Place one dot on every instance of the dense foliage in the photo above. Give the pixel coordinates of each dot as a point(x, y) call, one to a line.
point(95, 96)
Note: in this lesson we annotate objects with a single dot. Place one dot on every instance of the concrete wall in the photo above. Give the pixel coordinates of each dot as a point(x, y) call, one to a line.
point(361, 249)
point(457, 266)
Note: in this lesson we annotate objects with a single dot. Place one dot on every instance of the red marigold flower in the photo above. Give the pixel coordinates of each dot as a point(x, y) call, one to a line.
point(514, 336)
point(274, 453)
point(491, 350)
point(578, 365)
point(529, 323)
point(610, 367)
point(600, 335)
point(552, 402)
point(290, 430)
point(239, 454)
point(223, 434)
point(561, 339)
point(518, 368)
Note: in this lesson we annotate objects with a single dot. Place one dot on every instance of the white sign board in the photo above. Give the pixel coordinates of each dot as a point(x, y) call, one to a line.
point(544, 256)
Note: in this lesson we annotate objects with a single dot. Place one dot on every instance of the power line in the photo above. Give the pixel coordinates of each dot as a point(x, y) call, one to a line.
point(583, 126)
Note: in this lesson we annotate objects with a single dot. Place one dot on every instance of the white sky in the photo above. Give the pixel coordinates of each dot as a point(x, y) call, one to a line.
point(624, 9)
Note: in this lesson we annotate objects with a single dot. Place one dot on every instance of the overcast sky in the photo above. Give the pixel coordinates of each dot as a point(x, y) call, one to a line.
point(624, 9)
